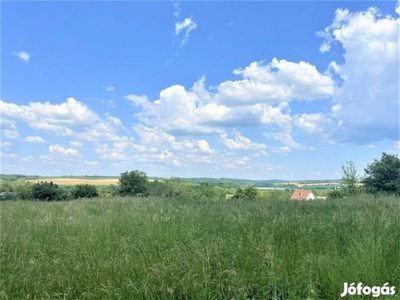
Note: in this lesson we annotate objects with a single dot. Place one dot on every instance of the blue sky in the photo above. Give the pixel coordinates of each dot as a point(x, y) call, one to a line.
point(257, 90)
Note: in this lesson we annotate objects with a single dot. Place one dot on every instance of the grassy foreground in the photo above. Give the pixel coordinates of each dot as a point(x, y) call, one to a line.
point(129, 248)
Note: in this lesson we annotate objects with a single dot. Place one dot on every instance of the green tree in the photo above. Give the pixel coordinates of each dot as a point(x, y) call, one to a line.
point(350, 180)
point(47, 191)
point(133, 183)
point(383, 176)
point(85, 191)
point(249, 193)
point(157, 188)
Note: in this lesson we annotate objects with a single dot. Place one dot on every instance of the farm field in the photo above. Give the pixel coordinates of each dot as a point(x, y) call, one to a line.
point(74, 181)
point(309, 185)
point(170, 248)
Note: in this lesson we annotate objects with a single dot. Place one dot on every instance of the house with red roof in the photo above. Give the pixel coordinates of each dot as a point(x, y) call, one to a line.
point(303, 195)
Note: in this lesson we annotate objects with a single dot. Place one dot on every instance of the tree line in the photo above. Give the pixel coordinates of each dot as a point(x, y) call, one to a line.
point(382, 176)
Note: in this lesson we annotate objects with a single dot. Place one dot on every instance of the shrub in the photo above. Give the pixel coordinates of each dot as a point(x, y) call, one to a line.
point(158, 188)
point(47, 191)
point(7, 196)
point(23, 191)
point(335, 194)
point(133, 183)
point(85, 191)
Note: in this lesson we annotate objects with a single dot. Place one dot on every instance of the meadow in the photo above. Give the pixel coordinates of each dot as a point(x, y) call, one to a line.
point(168, 248)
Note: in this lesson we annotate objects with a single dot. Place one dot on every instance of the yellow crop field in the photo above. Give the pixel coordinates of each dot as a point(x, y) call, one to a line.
point(74, 181)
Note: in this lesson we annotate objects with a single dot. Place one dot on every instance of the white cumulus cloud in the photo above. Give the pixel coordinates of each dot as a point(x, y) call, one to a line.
point(63, 152)
point(366, 104)
point(6, 145)
point(22, 55)
point(75, 144)
point(35, 139)
point(11, 133)
point(280, 80)
point(63, 119)
point(240, 142)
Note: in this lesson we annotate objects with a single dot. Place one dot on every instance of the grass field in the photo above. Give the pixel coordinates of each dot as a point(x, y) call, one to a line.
point(130, 248)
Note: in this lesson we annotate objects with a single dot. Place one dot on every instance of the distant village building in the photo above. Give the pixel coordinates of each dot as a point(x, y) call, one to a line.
point(303, 195)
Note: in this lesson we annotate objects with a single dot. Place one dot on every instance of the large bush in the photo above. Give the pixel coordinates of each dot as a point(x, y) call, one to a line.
point(335, 194)
point(85, 191)
point(47, 191)
point(133, 183)
point(383, 176)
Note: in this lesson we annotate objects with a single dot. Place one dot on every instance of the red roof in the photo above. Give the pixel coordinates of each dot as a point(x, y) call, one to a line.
point(300, 194)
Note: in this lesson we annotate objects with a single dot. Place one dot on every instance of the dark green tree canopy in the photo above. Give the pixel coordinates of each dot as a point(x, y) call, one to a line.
point(383, 176)
point(133, 183)
point(84, 191)
point(249, 193)
point(47, 191)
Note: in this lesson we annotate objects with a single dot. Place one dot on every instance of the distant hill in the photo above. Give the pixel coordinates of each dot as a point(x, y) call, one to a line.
point(257, 183)
point(227, 182)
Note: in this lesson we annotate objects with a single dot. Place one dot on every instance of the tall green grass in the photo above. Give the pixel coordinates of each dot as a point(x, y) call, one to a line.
point(130, 248)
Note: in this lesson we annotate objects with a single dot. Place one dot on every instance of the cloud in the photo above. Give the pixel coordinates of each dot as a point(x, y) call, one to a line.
point(396, 149)
point(242, 103)
point(6, 145)
point(205, 147)
point(278, 81)
point(54, 118)
point(61, 119)
point(176, 9)
point(366, 105)
point(284, 138)
point(185, 27)
point(75, 144)
point(316, 124)
point(155, 139)
point(64, 152)
point(240, 142)
point(11, 133)
point(59, 156)
point(35, 139)
point(283, 149)
point(260, 98)
point(118, 150)
point(22, 55)
point(12, 155)
point(110, 89)
point(28, 158)
point(238, 163)
point(91, 163)
point(397, 143)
